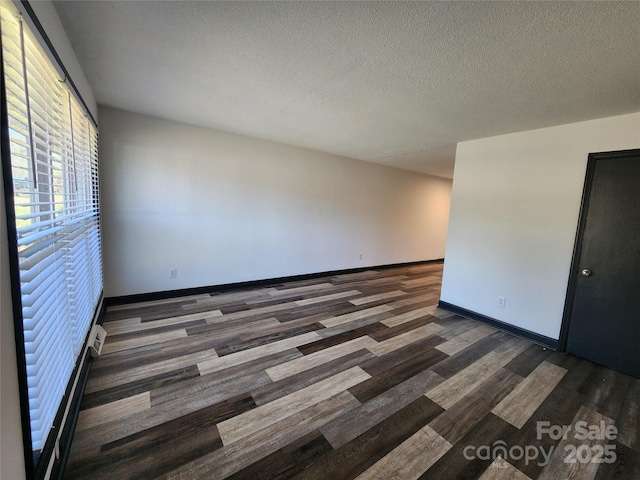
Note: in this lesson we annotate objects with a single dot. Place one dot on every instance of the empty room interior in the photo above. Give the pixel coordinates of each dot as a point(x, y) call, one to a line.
point(320, 240)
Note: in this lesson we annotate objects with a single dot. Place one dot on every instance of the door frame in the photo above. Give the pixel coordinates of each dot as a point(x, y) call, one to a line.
point(577, 247)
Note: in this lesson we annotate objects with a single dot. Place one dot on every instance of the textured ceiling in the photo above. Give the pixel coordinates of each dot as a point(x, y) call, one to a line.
point(398, 83)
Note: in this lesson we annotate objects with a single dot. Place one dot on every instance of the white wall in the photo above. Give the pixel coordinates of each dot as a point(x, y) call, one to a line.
point(11, 453)
point(514, 214)
point(225, 208)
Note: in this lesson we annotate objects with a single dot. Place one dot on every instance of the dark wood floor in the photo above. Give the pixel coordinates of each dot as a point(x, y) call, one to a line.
point(349, 376)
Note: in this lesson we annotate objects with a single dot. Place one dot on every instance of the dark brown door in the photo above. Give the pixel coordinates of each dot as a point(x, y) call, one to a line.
point(604, 325)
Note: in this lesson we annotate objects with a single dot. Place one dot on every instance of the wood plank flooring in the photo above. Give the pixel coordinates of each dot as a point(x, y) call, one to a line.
point(343, 377)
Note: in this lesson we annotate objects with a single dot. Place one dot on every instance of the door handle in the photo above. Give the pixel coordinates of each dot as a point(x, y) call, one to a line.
point(586, 272)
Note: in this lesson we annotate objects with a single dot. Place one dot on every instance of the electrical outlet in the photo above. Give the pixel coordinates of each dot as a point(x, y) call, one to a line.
point(360, 258)
point(502, 301)
point(173, 273)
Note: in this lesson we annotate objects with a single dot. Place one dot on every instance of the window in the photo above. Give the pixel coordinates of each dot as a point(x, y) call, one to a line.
point(54, 167)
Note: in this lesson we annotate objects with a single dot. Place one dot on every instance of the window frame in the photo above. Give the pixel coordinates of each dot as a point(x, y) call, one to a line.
point(56, 447)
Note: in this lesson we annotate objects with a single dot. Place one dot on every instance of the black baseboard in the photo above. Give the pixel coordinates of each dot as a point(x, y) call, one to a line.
point(147, 297)
point(506, 327)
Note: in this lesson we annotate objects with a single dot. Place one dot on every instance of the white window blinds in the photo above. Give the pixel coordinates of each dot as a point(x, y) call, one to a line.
point(54, 165)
